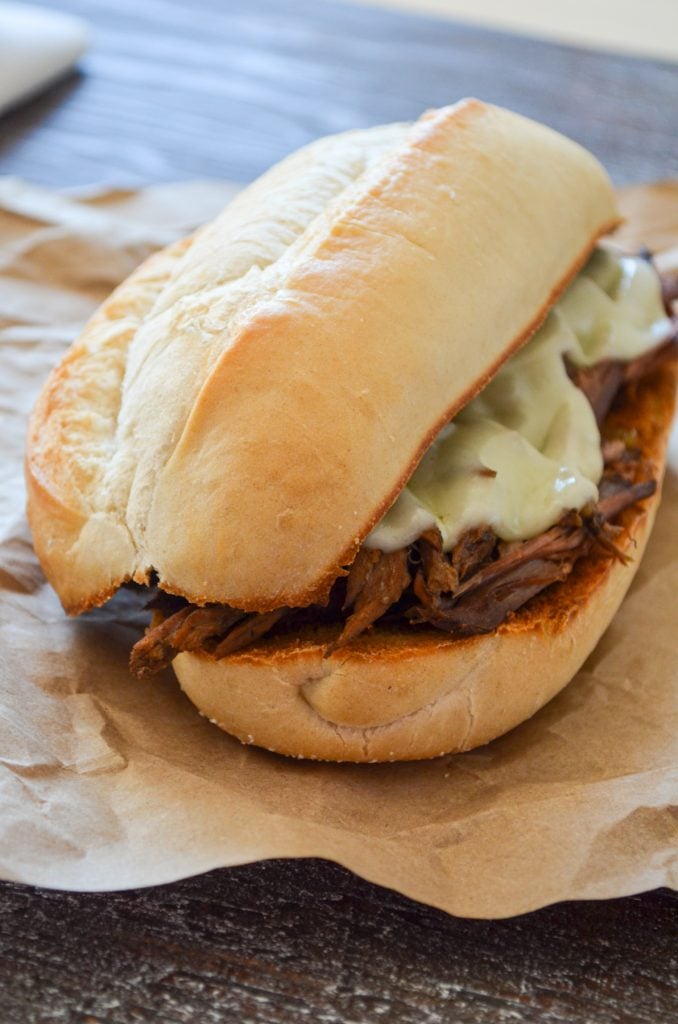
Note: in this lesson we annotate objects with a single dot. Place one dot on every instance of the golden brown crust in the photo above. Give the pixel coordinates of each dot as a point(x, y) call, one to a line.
point(398, 695)
point(389, 272)
point(85, 549)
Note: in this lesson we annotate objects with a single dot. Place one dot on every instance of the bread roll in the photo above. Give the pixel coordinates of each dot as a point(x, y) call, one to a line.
point(241, 411)
point(397, 695)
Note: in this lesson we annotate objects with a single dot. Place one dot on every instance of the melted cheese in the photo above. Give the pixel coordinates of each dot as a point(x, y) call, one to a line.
point(527, 448)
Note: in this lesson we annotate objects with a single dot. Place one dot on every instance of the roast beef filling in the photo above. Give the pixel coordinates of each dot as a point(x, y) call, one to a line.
point(407, 576)
point(468, 590)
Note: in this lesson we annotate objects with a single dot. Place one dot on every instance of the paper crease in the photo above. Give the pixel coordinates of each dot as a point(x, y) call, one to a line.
point(109, 783)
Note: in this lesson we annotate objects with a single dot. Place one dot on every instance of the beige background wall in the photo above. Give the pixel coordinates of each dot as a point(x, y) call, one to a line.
point(648, 27)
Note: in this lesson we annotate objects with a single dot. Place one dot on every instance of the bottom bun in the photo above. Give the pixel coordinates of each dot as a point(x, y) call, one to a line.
point(411, 693)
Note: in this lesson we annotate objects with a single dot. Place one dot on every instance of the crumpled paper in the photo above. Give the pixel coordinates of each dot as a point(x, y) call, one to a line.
point(108, 783)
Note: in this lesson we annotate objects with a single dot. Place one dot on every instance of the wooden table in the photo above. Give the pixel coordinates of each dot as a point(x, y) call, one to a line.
point(176, 90)
point(289, 942)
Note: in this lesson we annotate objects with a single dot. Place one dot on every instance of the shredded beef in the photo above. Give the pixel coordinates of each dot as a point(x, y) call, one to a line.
point(359, 573)
point(601, 382)
point(244, 633)
point(616, 494)
point(485, 607)
point(437, 573)
point(382, 587)
point(555, 543)
point(154, 651)
point(189, 629)
point(473, 549)
point(502, 580)
point(522, 571)
point(468, 591)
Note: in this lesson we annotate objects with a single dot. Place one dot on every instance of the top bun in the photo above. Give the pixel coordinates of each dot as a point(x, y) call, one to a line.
point(240, 413)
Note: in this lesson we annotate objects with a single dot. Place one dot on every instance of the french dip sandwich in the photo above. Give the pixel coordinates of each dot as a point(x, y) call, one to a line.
point(384, 441)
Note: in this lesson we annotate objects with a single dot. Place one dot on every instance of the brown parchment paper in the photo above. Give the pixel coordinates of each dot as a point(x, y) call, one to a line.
point(108, 783)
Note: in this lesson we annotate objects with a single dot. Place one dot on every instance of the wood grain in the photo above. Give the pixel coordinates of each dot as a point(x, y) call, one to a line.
point(176, 90)
point(306, 941)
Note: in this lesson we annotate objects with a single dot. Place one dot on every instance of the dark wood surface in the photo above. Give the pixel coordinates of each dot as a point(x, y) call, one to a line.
point(198, 89)
point(201, 88)
point(305, 941)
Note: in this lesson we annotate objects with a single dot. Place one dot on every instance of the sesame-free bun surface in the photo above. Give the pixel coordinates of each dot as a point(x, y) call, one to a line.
point(241, 411)
point(410, 693)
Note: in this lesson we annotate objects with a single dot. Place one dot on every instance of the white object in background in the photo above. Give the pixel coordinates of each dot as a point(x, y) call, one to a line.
point(36, 47)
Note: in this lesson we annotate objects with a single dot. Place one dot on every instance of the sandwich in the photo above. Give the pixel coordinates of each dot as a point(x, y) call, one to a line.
point(383, 443)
